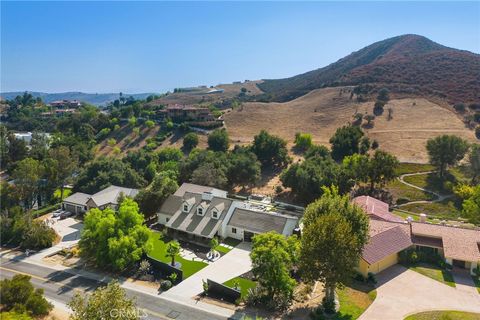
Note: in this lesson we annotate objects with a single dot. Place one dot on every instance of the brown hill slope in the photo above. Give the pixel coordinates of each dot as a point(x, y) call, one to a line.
point(322, 111)
point(407, 64)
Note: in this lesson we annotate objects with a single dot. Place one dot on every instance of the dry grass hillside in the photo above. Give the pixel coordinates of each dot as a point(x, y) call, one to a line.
point(321, 111)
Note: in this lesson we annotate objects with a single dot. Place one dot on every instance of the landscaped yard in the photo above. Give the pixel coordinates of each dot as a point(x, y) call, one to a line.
point(429, 181)
point(413, 168)
point(404, 193)
point(244, 284)
point(446, 209)
point(159, 252)
point(354, 300)
point(435, 273)
point(444, 315)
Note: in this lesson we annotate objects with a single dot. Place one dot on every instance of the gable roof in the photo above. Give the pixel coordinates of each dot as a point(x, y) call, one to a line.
point(195, 188)
point(78, 198)
point(385, 241)
point(375, 208)
point(256, 221)
point(111, 195)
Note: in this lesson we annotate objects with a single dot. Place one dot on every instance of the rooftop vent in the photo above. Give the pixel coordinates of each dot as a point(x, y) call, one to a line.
point(207, 196)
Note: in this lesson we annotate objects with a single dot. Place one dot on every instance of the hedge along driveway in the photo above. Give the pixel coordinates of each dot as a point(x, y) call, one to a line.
point(159, 252)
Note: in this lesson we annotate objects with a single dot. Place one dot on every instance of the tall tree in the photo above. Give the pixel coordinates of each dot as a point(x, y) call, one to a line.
point(109, 302)
point(190, 141)
point(115, 240)
point(446, 150)
point(474, 162)
point(244, 167)
point(381, 168)
point(64, 164)
point(218, 140)
point(345, 141)
point(471, 206)
point(270, 150)
point(27, 176)
point(273, 256)
point(335, 232)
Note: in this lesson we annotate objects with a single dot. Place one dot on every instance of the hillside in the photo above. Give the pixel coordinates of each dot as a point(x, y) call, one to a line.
point(322, 111)
point(97, 99)
point(409, 64)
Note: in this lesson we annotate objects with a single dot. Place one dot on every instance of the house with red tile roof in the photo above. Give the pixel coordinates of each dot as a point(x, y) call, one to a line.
point(459, 247)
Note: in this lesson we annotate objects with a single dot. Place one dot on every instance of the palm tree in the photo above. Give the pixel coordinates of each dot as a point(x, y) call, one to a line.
point(173, 248)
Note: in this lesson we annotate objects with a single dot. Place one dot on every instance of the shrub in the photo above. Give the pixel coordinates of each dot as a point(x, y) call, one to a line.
point(150, 124)
point(144, 267)
point(359, 277)
point(173, 277)
point(328, 305)
point(371, 278)
point(303, 141)
point(459, 107)
point(278, 189)
point(190, 141)
point(165, 285)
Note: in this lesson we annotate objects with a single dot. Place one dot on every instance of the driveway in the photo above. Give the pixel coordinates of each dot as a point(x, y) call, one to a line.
point(233, 264)
point(401, 292)
point(68, 229)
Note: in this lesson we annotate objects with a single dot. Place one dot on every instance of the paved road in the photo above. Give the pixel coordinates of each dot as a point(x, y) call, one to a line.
point(60, 286)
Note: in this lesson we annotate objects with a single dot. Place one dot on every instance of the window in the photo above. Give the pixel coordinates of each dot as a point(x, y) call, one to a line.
point(200, 211)
point(234, 230)
point(215, 214)
point(185, 208)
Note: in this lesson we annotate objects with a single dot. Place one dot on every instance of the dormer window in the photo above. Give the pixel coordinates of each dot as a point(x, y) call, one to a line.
point(200, 211)
point(215, 214)
point(185, 208)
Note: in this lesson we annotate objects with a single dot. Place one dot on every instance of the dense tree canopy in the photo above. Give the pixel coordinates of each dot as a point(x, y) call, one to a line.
point(335, 232)
point(109, 302)
point(27, 175)
point(273, 256)
point(115, 239)
point(446, 150)
point(471, 206)
point(474, 162)
point(345, 142)
point(151, 198)
point(104, 172)
point(18, 294)
point(218, 140)
point(190, 141)
point(270, 150)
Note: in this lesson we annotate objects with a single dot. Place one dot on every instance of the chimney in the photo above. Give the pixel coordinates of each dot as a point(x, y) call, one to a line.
point(409, 221)
point(423, 218)
point(207, 196)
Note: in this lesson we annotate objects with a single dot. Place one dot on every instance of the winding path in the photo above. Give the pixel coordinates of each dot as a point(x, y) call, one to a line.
point(439, 197)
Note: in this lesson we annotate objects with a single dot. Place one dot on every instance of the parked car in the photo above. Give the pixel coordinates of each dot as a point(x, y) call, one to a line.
point(65, 214)
point(57, 213)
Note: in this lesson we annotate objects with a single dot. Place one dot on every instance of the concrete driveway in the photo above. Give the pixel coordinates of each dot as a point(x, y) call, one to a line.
point(401, 292)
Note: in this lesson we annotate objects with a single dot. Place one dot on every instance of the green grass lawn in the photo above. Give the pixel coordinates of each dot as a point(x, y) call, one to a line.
point(444, 315)
point(159, 252)
point(413, 167)
point(429, 181)
point(406, 193)
point(244, 284)
point(231, 242)
point(222, 249)
point(447, 209)
point(354, 300)
point(434, 273)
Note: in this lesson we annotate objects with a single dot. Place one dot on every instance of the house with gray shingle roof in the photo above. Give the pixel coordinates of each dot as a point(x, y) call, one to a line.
point(200, 213)
point(81, 202)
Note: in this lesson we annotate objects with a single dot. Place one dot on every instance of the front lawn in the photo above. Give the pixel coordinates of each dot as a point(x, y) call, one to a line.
point(158, 252)
point(434, 273)
point(245, 285)
point(444, 315)
point(222, 249)
point(354, 300)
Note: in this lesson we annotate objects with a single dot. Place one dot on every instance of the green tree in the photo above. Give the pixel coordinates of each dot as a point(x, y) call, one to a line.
point(27, 177)
point(218, 140)
point(64, 164)
point(151, 198)
point(244, 168)
point(173, 248)
point(132, 121)
point(474, 162)
point(109, 302)
point(335, 232)
point(270, 150)
point(345, 142)
point(103, 172)
point(150, 124)
point(39, 146)
point(190, 141)
point(471, 206)
point(446, 150)
point(214, 244)
point(273, 256)
point(381, 168)
point(115, 240)
point(20, 295)
point(303, 141)
point(208, 174)
point(383, 95)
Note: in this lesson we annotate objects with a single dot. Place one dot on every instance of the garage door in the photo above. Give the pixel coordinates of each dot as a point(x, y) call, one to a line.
point(70, 208)
point(247, 236)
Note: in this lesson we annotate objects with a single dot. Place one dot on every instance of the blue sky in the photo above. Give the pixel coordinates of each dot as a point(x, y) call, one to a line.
point(157, 46)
